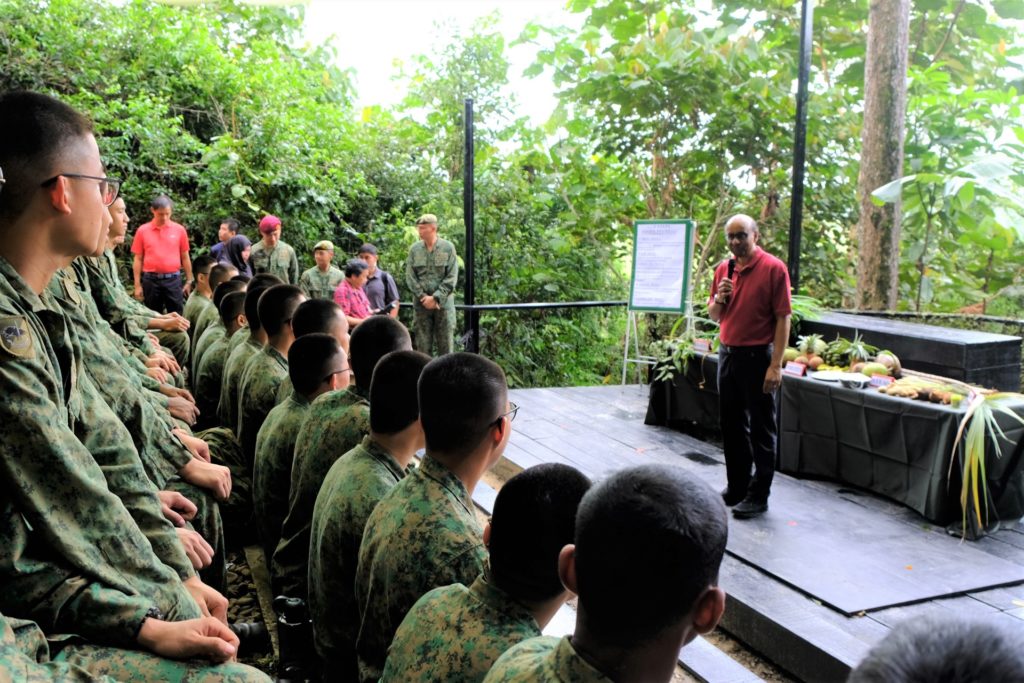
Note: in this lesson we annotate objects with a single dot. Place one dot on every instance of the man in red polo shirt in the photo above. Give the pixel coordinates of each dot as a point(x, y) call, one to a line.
point(161, 251)
point(750, 300)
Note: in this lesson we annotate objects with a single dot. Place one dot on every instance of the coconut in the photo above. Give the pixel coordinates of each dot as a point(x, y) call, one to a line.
point(889, 360)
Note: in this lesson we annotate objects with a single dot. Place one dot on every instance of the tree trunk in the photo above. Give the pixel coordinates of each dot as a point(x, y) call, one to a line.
point(881, 160)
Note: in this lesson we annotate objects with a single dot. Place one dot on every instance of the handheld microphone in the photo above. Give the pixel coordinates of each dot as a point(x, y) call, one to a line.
point(732, 269)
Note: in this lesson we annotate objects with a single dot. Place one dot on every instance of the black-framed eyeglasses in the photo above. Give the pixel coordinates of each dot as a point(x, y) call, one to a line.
point(109, 187)
point(511, 414)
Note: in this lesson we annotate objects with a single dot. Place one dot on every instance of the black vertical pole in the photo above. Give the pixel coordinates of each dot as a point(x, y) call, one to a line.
point(796, 208)
point(472, 335)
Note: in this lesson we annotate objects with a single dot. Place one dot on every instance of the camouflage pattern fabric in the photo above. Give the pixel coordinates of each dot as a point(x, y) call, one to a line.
point(178, 344)
point(237, 510)
point(279, 260)
point(275, 450)
point(434, 273)
point(25, 657)
point(543, 659)
point(208, 378)
point(208, 524)
point(73, 553)
point(455, 634)
point(319, 285)
point(195, 307)
point(114, 303)
point(257, 395)
point(234, 366)
point(133, 665)
point(212, 333)
point(238, 338)
point(423, 534)
point(335, 424)
point(353, 487)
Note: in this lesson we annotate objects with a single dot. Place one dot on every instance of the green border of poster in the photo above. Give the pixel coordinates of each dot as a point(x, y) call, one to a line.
point(690, 227)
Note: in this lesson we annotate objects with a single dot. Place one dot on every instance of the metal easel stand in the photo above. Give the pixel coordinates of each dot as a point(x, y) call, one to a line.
point(638, 359)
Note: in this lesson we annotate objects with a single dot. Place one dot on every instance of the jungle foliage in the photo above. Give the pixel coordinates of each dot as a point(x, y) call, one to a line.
point(663, 110)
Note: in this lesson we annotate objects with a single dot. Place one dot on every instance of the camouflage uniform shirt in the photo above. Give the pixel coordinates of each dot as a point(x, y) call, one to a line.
point(257, 394)
point(353, 487)
point(280, 260)
point(207, 320)
point(423, 534)
point(335, 424)
point(208, 378)
point(319, 285)
point(275, 449)
point(543, 660)
point(73, 557)
point(455, 634)
point(230, 384)
point(196, 305)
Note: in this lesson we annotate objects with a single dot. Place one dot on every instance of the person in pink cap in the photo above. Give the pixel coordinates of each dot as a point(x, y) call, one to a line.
point(272, 255)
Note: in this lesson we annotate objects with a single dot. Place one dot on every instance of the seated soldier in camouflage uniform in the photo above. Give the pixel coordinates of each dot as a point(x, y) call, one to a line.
point(264, 373)
point(201, 298)
point(424, 533)
point(353, 487)
point(220, 274)
point(130, 317)
point(84, 548)
point(534, 517)
point(335, 424)
point(210, 371)
point(317, 364)
point(649, 541)
point(240, 353)
point(317, 316)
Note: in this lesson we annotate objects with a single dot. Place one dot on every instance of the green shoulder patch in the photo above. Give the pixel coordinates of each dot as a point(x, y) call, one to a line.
point(16, 336)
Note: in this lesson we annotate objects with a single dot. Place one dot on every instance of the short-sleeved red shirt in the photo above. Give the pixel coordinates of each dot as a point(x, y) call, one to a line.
point(353, 301)
point(760, 294)
point(160, 248)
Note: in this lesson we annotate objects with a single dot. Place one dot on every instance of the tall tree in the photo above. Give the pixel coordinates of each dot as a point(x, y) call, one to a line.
point(881, 160)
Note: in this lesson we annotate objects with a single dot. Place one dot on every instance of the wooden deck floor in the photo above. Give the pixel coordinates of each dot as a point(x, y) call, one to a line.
point(820, 578)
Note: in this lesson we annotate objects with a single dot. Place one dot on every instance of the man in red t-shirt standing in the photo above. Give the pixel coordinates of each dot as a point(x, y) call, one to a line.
point(161, 252)
point(750, 300)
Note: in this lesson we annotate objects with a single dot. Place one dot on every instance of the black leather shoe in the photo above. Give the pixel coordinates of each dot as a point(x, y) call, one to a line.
point(749, 508)
point(730, 498)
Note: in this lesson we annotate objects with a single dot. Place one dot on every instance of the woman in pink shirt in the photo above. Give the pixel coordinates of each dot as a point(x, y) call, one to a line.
point(350, 295)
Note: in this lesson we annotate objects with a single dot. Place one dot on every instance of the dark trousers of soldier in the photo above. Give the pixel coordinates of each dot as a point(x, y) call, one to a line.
point(162, 292)
point(747, 419)
point(433, 330)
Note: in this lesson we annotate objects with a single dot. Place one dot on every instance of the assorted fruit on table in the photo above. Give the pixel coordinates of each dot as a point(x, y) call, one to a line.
point(857, 356)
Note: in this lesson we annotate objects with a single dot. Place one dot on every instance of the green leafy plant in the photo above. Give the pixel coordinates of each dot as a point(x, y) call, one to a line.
point(978, 427)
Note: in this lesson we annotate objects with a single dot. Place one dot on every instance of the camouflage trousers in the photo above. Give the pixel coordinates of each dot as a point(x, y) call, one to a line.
point(208, 524)
point(433, 330)
point(237, 511)
point(134, 665)
point(178, 344)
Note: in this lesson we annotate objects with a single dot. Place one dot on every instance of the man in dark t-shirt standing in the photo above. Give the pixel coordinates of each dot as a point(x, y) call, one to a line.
point(381, 289)
point(750, 300)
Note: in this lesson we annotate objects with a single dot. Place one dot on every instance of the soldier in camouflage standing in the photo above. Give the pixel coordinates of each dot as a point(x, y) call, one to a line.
point(320, 281)
point(431, 271)
point(272, 255)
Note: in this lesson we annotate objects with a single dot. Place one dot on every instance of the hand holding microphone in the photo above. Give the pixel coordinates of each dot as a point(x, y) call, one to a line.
point(725, 285)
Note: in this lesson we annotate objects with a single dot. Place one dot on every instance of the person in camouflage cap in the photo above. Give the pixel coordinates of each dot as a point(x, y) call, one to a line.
point(353, 486)
point(83, 544)
point(648, 545)
point(424, 533)
point(533, 519)
point(335, 424)
point(273, 255)
point(320, 281)
point(431, 272)
point(318, 364)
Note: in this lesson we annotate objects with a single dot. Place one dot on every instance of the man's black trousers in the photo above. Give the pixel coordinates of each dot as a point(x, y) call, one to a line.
point(163, 293)
point(747, 419)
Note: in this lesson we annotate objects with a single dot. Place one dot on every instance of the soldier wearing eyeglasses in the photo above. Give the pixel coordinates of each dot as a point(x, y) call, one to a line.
point(161, 252)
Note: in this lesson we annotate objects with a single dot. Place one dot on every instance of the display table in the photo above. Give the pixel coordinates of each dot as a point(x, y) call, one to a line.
point(893, 446)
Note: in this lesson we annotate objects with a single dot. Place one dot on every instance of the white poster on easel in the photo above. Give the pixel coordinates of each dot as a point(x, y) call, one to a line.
point(662, 257)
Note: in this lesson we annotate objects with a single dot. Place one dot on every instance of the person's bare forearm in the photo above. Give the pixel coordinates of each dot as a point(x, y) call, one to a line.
point(137, 270)
point(781, 340)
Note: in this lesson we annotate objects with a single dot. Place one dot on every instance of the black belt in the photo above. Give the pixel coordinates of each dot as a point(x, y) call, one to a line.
point(162, 276)
point(758, 348)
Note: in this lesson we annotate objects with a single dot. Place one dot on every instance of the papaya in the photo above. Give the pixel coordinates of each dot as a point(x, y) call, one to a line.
point(870, 369)
point(790, 354)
